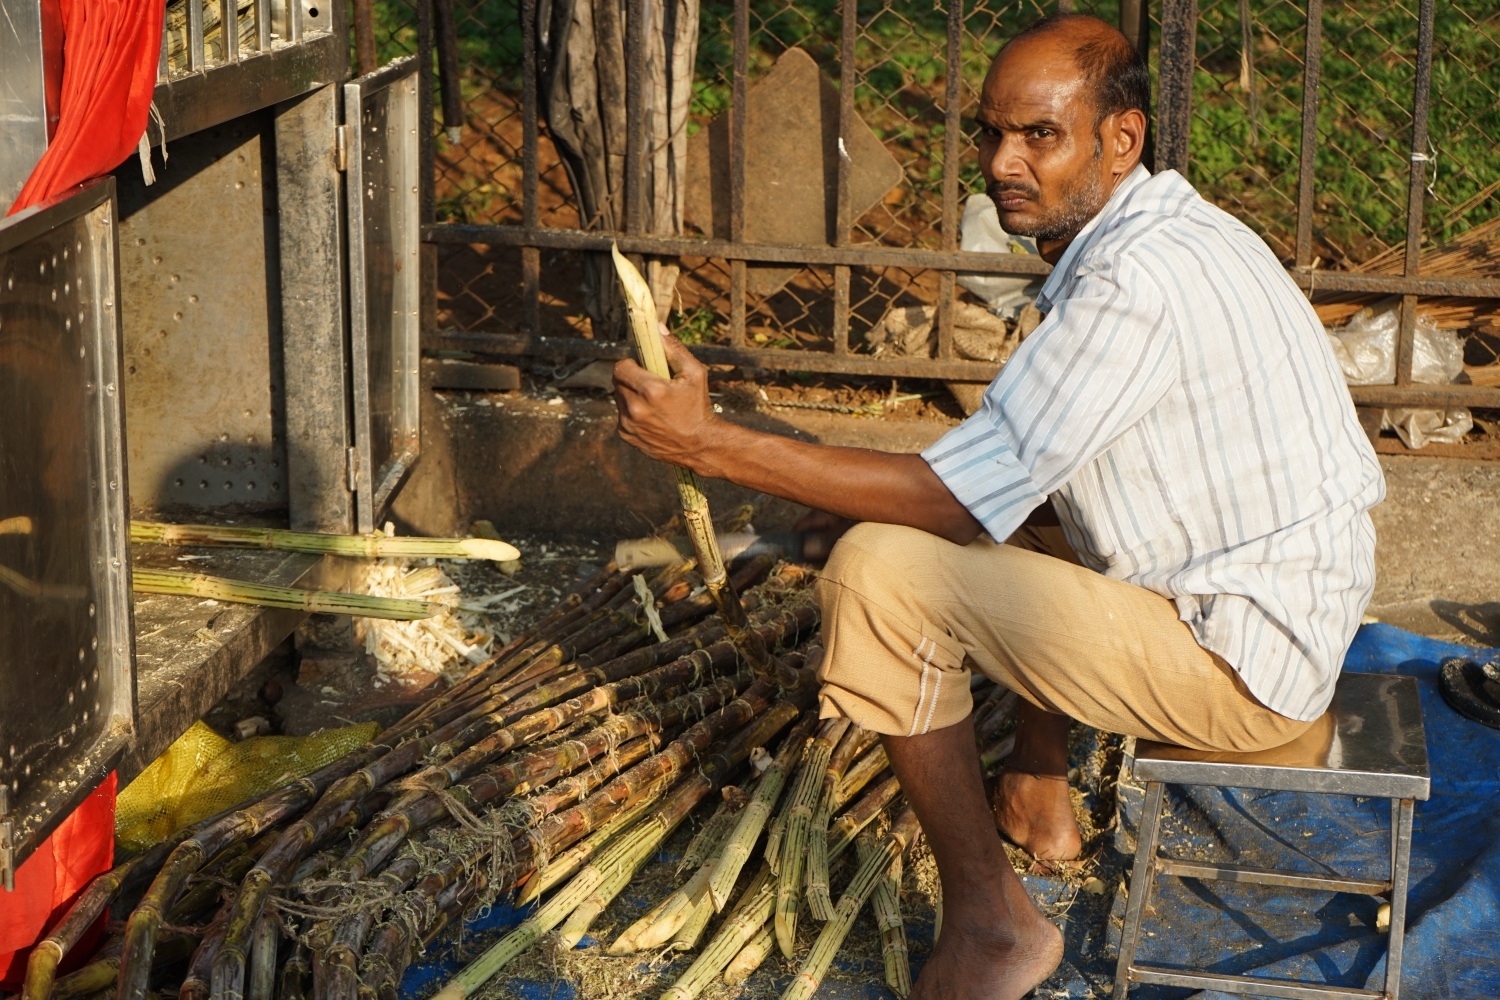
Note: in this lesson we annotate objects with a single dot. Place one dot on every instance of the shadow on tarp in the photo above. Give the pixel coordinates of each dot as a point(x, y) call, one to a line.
point(1451, 951)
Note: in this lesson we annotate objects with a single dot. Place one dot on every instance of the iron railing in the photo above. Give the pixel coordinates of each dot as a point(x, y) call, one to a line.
point(499, 215)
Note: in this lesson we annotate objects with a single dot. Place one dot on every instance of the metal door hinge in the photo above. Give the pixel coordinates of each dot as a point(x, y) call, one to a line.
point(341, 146)
point(353, 470)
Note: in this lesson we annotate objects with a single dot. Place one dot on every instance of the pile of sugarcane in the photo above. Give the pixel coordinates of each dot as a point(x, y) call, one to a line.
point(553, 772)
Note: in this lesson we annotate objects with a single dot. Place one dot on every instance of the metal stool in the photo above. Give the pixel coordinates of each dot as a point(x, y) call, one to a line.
point(1369, 743)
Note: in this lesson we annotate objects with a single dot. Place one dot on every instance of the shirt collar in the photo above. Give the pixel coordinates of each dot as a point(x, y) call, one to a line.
point(1057, 280)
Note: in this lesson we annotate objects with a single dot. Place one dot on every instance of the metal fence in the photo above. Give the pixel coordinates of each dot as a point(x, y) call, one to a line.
point(1351, 138)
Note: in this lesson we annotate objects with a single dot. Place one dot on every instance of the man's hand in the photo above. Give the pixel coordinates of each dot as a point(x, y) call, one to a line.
point(671, 421)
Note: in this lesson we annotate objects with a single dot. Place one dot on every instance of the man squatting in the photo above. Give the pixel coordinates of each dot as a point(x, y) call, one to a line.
point(1208, 551)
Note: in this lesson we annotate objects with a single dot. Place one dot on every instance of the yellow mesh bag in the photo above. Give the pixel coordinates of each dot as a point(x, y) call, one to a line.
point(202, 773)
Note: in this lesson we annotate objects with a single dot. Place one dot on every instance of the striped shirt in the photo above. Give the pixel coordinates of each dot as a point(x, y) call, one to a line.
point(1181, 406)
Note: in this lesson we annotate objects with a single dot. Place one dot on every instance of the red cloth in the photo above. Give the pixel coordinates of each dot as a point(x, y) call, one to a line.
point(110, 52)
point(52, 878)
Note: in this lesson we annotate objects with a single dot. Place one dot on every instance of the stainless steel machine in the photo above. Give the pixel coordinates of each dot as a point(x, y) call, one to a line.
point(237, 341)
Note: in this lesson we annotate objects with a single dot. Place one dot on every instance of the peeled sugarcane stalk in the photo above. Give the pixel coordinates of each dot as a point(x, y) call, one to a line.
point(650, 832)
point(710, 836)
point(997, 751)
point(818, 902)
point(886, 901)
point(374, 545)
point(171, 581)
point(860, 774)
point(750, 957)
point(744, 922)
point(582, 918)
point(871, 870)
point(799, 810)
point(772, 850)
point(651, 352)
point(341, 797)
point(659, 926)
point(752, 819)
point(749, 714)
point(861, 814)
point(996, 711)
point(688, 935)
point(567, 864)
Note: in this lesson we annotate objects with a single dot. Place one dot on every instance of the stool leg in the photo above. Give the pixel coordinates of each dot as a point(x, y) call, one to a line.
point(1402, 812)
point(1139, 893)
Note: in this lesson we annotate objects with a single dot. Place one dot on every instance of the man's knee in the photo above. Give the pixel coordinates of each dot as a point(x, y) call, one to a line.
point(871, 554)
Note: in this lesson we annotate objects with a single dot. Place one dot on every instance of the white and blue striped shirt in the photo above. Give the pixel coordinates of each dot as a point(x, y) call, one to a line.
point(1182, 407)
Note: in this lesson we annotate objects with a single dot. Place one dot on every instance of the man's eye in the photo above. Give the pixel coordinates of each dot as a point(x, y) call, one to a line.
point(987, 132)
point(1041, 133)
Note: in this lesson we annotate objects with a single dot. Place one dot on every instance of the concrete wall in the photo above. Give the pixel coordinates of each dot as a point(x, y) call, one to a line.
point(556, 467)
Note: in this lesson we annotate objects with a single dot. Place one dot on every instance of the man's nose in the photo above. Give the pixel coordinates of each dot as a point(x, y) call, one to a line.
point(1008, 157)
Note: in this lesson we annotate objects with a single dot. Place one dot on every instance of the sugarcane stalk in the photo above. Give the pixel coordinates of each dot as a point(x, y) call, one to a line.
point(571, 861)
point(375, 545)
point(859, 815)
point(818, 902)
point(860, 774)
point(171, 581)
point(341, 797)
point(582, 918)
point(752, 819)
point(871, 870)
point(200, 966)
point(744, 922)
point(704, 662)
point(886, 901)
point(772, 851)
point(100, 973)
point(691, 931)
point(645, 836)
point(709, 839)
point(799, 812)
point(997, 751)
point(187, 857)
point(994, 713)
point(294, 974)
point(659, 926)
point(347, 939)
point(263, 946)
point(750, 957)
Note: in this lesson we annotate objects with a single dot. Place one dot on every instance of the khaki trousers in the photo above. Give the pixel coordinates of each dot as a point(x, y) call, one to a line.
point(908, 615)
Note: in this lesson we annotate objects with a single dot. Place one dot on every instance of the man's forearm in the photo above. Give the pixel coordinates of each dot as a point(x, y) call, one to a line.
point(856, 483)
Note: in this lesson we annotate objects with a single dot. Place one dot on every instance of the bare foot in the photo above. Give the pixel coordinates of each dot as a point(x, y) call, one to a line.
point(1035, 813)
point(975, 960)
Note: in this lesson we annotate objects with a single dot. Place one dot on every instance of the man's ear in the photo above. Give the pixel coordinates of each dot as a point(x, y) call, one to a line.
point(1128, 137)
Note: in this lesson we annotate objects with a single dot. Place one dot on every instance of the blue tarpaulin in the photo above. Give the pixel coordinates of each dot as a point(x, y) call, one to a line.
point(1452, 947)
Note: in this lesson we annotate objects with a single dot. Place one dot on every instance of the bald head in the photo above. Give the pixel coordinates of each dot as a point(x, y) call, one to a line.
point(1062, 120)
point(1111, 70)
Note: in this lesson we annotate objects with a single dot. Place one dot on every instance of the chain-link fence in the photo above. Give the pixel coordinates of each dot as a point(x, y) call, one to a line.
point(1244, 152)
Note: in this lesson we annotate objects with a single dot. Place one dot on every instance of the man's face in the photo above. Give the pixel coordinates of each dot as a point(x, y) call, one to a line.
point(1045, 165)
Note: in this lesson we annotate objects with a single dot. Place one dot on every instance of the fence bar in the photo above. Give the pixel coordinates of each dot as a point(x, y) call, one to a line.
point(739, 120)
point(531, 257)
point(1178, 59)
point(162, 70)
point(1312, 74)
point(262, 25)
point(635, 117)
point(229, 29)
point(197, 53)
point(952, 129)
point(737, 303)
point(1135, 25)
point(1416, 188)
point(841, 309)
point(426, 138)
point(294, 20)
point(849, 16)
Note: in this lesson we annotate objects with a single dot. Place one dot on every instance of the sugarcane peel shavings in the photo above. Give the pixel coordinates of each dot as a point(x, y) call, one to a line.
point(447, 644)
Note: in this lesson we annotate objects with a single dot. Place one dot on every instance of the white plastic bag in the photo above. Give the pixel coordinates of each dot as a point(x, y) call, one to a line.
point(1417, 427)
point(1366, 349)
point(980, 232)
